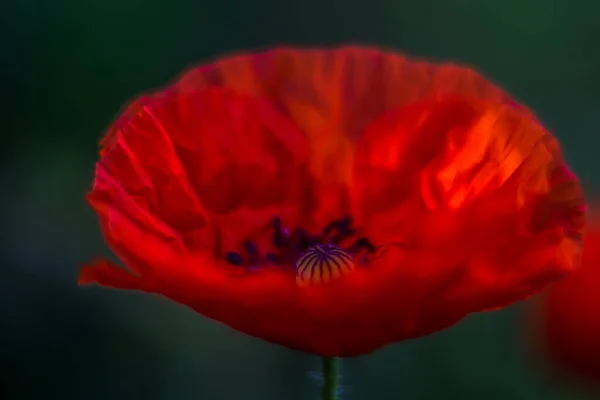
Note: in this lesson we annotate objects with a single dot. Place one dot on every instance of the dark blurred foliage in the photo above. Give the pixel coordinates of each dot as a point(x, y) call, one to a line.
point(70, 65)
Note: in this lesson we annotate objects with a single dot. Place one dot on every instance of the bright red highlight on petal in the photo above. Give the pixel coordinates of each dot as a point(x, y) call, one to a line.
point(449, 198)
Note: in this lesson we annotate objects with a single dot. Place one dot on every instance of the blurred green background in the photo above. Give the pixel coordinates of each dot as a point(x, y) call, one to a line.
point(69, 66)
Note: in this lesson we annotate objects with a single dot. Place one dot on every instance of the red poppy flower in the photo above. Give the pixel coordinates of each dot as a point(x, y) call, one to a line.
point(431, 193)
point(571, 315)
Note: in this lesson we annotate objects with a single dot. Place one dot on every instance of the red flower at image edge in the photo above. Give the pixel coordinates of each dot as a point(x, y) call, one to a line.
point(429, 192)
point(571, 314)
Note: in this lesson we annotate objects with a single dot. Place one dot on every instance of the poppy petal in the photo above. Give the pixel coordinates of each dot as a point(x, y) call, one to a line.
point(403, 294)
point(113, 204)
point(328, 92)
point(464, 194)
point(206, 159)
point(346, 318)
point(106, 273)
point(140, 153)
point(332, 95)
point(476, 180)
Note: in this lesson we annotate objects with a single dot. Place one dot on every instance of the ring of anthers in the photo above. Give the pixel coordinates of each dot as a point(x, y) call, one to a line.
point(315, 258)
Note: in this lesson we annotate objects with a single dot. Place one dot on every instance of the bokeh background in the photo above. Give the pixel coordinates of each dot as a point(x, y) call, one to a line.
point(68, 66)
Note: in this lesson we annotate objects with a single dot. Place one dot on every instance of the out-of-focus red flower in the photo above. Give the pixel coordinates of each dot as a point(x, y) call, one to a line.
point(571, 314)
point(439, 194)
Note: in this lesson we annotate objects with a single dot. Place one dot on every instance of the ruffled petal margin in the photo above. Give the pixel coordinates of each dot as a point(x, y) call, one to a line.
point(109, 274)
point(457, 235)
point(477, 183)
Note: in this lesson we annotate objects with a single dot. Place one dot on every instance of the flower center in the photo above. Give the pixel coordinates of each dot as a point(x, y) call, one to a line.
point(313, 258)
point(323, 262)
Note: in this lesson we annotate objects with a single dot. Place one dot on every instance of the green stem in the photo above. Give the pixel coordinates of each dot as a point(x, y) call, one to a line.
point(330, 378)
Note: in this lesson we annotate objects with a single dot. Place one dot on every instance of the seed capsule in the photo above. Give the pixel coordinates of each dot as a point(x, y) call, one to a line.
point(321, 263)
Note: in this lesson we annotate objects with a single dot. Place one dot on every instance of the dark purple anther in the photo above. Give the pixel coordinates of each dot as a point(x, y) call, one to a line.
point(279, 240)
point(328, 228)
point(339, 229)
point(286, 247)
point(251, 248)
point(253, 254)
point(273, 258)
point(277, 224)
point(305, 240)
point(234, 258)
point(280, 237)
point(345, 223)
point(343, 234)
point(339, 225)
point(301, 238)
point(362, 243)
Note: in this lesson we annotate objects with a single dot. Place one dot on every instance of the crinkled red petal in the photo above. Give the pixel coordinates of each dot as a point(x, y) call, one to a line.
point(212, 166)
point(350, 317)
point(479, 184)
point(106, 273)
point(189, 173)
point(332, 95)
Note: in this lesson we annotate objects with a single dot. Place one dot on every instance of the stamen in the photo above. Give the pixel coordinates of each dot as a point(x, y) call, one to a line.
point(305, 240)
point(322, 263)
point(362, 243)
point(273, 258)
point(281, 235)
point(345, 223)
point(234, 258)
point(251, 249)
point(313, 258)
point(338, 224)
point(339, 230)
